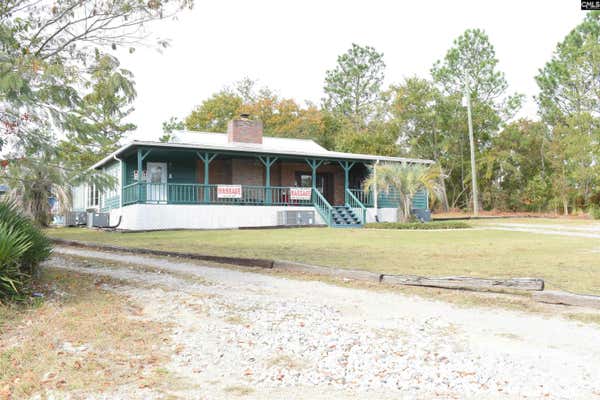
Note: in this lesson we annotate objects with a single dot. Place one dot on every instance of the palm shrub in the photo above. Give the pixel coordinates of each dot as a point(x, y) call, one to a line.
point(22, 247)
point(405, 180)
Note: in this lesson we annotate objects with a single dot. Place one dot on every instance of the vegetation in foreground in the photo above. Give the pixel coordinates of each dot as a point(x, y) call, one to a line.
point(81, 339)
point(22, 247)
point(568, 263)
point(419, 225)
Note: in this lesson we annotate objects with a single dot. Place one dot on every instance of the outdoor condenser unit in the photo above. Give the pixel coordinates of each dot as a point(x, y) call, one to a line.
point(290, 217)
point(98, 220)
point(75, 218)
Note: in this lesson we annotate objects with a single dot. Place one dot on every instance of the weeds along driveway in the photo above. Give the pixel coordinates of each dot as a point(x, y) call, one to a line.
point(247, 334)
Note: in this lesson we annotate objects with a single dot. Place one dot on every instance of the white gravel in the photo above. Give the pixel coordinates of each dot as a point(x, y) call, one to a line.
point(241, 333)
point(586, 231)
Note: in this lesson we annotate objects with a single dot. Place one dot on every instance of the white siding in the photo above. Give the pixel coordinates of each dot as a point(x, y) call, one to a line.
point(110, 198)
point(194, 216)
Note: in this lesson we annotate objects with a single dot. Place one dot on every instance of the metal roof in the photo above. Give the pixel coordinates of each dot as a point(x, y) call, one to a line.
point(270, 145)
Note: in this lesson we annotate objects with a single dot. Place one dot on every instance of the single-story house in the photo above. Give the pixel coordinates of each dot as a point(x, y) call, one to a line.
point(238, 179)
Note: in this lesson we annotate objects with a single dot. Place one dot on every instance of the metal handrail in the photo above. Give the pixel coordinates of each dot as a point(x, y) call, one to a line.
point(322, 206)
point(354, 203)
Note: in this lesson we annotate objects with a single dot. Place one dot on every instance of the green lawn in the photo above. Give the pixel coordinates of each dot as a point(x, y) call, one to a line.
point(568, 263)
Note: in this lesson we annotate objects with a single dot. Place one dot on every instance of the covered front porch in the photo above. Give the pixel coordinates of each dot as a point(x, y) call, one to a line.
point(186, 177)
point(201, 177)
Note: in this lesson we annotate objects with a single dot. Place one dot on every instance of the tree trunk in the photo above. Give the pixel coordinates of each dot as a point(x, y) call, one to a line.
point(565, 206)
point(445, 205)
point(400, 213)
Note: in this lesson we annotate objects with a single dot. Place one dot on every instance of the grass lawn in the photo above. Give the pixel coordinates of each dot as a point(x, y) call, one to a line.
point(567, 263)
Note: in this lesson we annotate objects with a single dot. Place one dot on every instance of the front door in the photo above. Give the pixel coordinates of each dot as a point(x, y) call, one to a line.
point(156, 177)
point(324, 183)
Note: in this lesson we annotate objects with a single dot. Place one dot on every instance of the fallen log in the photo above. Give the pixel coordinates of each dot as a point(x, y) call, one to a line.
point(467, 283)
point(568, 299)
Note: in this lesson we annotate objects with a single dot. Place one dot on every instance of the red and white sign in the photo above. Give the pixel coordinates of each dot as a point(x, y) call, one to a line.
point(300, 193)
point(229, 191)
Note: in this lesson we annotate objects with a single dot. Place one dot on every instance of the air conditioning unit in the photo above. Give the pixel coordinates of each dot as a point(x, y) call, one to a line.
point(75, 218)
point(422, 215)
point(289, 217)
point(98, 220)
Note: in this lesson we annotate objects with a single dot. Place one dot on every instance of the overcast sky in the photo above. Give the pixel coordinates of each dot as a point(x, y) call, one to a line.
point(288, 46)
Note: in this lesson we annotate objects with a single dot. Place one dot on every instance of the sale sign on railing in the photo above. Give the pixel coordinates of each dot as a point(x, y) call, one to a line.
point(229, 191)
point(300, 193)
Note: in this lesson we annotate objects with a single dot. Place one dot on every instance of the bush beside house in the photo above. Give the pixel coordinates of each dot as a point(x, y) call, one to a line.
point(419, 225)
point(22, 248)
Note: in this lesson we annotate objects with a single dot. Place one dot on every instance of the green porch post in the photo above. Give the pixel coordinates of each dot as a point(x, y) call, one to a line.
point(314, 164)
point(346, 165)
point(206, 158)
point(141, 155)
point(268, 162)
point(123, 165)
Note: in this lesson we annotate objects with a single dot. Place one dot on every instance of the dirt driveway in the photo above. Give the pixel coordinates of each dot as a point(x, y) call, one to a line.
point(251, 335)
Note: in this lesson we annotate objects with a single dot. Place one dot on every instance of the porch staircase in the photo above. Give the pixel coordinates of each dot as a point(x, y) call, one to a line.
point(350, 215)
point(344, 217)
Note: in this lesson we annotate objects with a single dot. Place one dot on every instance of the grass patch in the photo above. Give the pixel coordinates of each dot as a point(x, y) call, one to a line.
point(419, 225)
point(81, 340)
point(566, 263)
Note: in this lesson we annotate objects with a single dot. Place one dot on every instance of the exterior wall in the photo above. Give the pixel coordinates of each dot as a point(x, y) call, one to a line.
point(219, 171)
point(385, 215)
point(111, 198)
point(174, 216)
point(288, 177)
point(79, 195)
point(181, 167)
point(249, 172)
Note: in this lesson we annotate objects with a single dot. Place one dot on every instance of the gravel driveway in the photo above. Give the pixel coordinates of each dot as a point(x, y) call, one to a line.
point(586, 231)
point(251, 335)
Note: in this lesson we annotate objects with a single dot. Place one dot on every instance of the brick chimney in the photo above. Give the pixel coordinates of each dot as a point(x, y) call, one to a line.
point(244, 130)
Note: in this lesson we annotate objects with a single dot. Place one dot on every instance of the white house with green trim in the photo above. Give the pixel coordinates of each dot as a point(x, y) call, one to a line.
point(238, 179)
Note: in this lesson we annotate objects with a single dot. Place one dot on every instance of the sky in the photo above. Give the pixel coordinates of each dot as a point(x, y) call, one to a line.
point(288, 46)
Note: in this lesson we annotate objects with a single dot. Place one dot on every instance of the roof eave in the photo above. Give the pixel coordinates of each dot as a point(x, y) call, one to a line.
point(332, 156)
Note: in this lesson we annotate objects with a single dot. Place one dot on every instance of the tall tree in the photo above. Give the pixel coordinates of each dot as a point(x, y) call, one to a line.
point(96, 126)
point(281, 117)
point(45, 50)
point(569, 102)
point(569, 82)
point(353, 87)
point(213, 114)
point(470, 68)
point(515, 167)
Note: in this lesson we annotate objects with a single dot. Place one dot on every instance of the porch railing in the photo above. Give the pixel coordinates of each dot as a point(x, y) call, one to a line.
point(389, 200)
point(322, 206)
point(357, 206)
point(197, 193)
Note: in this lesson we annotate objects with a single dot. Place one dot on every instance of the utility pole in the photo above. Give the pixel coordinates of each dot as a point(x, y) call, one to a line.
point(472, 145)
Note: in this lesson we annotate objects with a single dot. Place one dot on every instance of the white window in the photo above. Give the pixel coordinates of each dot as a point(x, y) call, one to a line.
point(93, 196)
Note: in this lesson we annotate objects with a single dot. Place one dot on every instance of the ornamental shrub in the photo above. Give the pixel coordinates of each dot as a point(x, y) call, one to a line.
point(22, 247)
